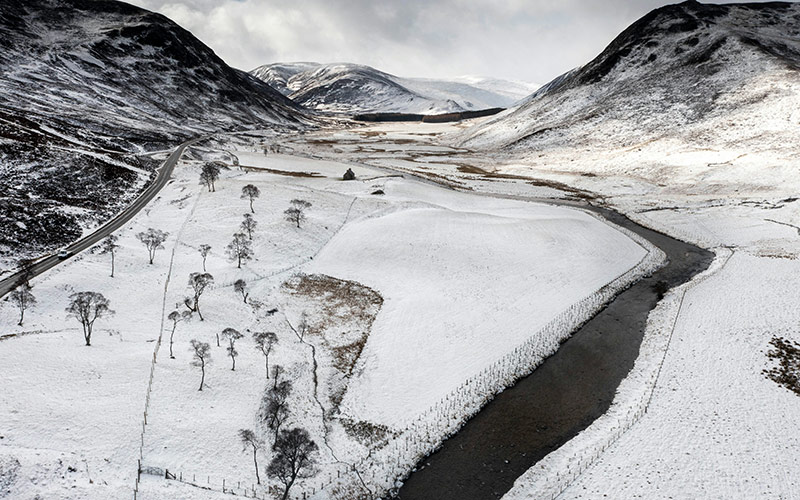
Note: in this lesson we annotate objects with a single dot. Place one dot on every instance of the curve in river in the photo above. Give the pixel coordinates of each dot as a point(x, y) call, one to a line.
point(563, 396)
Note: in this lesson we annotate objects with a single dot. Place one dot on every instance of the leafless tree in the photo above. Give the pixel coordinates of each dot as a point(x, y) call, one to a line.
point(252, 192)
point(240, 249)
point(240, 286)
point(276, 375)
point(275, 406)
point(296, 211)
point(201, 356)
point(204, 251)
point(251, 441)
point(86, 307)
point(249, 225)
point(302, 326)
point(176, 317)
point(294, 458)
point(110, 245)
point(232, 335)
point(209, 176)
point(264, 342)
point(199, 282)
point(25, 270)
point(153, 239)
point(23, 299)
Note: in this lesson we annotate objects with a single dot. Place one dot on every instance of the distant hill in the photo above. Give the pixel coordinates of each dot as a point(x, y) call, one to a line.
point(352, 88)
point(87, 84)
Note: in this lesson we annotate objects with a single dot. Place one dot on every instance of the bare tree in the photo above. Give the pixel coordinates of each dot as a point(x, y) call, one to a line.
point(199, 282)
point(252, 192)
point(204, 251)
point(86, 307)
point(240, 249)
point(25, 270)
point(276, 375)
point(294, 458)
point(275, 407)
point(209, 176)
point(251, 441)
point(23, 299)
point(240, 286)
point(296, 211)
point(175, 317)
point(302, 326)
point(153, 239)
point(264, 342)
point(232, 335)
point(249, 225)
point(110, 245)
point(201, 356)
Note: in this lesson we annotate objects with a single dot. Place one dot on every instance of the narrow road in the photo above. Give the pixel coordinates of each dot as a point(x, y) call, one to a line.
point(45, 263)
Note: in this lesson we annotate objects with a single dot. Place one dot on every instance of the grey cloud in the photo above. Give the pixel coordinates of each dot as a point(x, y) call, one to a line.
point(533, 40)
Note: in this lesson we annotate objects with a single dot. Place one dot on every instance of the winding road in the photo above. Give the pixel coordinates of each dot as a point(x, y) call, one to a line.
point(162, 178)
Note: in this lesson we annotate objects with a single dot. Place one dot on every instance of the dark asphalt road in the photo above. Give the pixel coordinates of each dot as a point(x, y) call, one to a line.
point(45, 263)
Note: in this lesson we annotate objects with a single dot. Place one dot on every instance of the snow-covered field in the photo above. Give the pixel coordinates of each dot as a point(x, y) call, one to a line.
point(430, 274)
point(716, 427)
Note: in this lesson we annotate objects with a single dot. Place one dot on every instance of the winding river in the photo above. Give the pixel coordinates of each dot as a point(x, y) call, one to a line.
point(563, 396)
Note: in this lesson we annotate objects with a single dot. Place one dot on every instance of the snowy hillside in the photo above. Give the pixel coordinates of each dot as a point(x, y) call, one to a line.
point(84, 85)
point(707, 75)
point(348, 88)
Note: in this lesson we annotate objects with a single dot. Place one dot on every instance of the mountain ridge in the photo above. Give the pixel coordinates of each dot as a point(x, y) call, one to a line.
point(355, 88)
point(677, 67)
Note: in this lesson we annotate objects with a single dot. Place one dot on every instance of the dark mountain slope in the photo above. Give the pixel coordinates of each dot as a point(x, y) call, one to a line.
point(87, 84)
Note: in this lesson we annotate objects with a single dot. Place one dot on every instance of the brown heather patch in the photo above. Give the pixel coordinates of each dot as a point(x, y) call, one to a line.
point(343, 304)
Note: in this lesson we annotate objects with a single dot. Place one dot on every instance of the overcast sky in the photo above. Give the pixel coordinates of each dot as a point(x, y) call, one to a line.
point(530, 40)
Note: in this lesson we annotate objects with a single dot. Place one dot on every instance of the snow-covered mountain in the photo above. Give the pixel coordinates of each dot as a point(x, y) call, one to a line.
point(85, 85)
point(718, 76)
point(352, 88)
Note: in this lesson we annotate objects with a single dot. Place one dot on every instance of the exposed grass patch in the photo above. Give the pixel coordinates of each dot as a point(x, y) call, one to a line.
point(347, 310)
point(287, 173)
point(787, 373)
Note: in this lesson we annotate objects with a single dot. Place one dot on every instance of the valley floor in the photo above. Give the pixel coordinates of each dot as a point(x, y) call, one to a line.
point(697, 418)
point(409, 290)
point(407, 295)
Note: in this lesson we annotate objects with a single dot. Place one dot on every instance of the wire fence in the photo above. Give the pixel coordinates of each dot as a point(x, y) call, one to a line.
point(552, 476)
point(384, 469)
point(156, 350)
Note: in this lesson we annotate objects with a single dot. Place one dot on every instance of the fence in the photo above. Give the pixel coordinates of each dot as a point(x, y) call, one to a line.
point(556, 472)
point(155, 352)
point(385, 468)
point(382, 471)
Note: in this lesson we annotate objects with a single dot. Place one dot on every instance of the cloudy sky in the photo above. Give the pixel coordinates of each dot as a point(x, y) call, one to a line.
point(530, 40)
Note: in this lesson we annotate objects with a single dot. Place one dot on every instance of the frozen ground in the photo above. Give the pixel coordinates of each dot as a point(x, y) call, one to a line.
point(716, 428)
point(72, 415)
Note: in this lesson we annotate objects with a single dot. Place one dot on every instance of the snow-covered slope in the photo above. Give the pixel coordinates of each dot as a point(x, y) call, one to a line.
point(85, 84)
point(719, 75)
point(348, 88)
